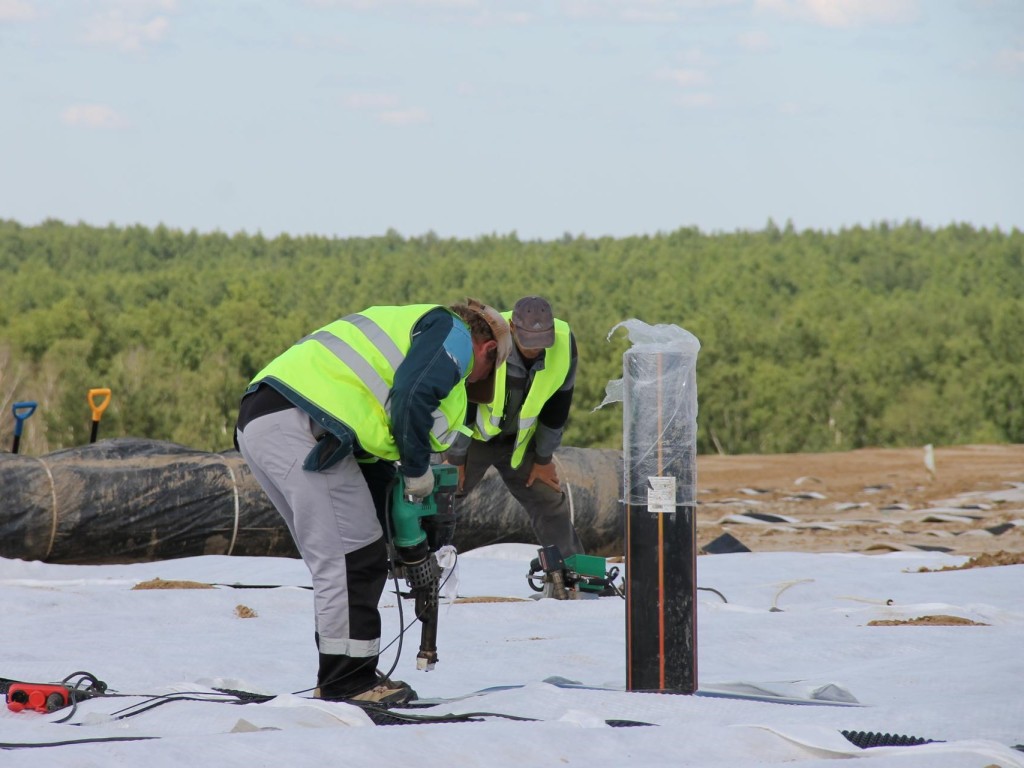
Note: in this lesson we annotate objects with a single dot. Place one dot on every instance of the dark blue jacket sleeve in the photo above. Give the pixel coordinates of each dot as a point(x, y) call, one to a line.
point(440, 354)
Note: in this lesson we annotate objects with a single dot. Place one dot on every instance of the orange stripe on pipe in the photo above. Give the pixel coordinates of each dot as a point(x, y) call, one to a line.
point(661, 599)
point(661, 543)
point(629, 611)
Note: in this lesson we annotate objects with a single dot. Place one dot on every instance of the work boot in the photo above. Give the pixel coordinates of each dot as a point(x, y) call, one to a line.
point(386, 691)
point(339, 677)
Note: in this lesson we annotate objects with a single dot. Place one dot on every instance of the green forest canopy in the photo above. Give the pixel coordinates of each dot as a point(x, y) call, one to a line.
point(810, 341)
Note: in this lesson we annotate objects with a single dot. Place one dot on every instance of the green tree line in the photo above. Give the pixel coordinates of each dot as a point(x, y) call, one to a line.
point(888, 335)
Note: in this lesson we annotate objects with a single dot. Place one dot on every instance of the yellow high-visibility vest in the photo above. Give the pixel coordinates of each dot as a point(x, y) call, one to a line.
point(347, 369)
point(546, 381)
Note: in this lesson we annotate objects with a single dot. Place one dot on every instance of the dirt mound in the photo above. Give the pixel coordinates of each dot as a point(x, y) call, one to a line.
point(159, 583)
point(938, 620)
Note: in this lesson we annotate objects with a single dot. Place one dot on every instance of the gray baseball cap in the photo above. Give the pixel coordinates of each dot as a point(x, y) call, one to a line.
point(533, 323)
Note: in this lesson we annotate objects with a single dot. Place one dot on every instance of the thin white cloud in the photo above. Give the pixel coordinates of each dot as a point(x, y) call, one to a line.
point(130, 25)
point(444, 4)
point(755, 41)
point(641, 11)
point(476, 13)
point(318, 42)
point(696, 100)
point(492, 13)
point(690, 80)
point(521, 13)
point(370, 102)
point(16, 10)
point(92, 116)
point(374, 5)
point(684, 77)
point(504, 18)
point(386, 108)
point(1011, 60)
point(391, 6)
point(411, 116)
point(843, 13)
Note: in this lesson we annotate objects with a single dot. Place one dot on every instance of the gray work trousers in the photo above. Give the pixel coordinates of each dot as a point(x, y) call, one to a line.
point(332, 518)
point(547, 509)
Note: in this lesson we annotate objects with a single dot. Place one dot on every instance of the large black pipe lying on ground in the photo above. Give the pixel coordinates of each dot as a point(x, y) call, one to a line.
point(131, 500)
point(591, 478)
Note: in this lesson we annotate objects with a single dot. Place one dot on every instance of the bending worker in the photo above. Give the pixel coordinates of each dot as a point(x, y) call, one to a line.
point(322, 426)
point(519, 432)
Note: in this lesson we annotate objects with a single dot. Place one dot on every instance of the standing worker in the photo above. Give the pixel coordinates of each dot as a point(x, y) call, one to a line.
point(322, 426)
point(519, 432)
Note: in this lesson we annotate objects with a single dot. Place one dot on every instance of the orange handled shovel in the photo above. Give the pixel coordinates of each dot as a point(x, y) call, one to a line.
point(21, 412)
point(98, 408)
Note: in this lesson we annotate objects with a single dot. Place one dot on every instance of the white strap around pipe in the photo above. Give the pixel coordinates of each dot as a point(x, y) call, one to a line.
point(53, 497)
point(234, 488)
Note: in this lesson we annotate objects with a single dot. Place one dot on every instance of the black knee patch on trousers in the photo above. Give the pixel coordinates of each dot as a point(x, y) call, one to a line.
point(367, 570)
point(339, 675)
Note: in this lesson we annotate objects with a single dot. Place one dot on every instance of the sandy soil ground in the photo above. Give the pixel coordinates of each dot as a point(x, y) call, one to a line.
point(870, 500)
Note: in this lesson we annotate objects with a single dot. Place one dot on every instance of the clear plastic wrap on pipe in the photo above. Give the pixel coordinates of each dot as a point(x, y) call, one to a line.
point(658, 391)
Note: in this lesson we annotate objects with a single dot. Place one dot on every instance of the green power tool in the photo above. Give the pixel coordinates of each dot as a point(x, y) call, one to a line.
point(420, 527)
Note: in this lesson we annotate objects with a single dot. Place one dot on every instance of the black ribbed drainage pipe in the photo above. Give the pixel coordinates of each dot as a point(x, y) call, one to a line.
point(868, 739)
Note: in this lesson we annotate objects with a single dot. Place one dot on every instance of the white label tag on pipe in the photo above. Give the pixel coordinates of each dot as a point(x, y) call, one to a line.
point(661, 495)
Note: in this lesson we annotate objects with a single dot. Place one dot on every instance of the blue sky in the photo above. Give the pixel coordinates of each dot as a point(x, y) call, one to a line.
point(476, 117)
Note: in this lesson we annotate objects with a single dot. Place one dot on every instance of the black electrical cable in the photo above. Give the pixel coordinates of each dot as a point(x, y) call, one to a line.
point(388, 717)
point(383, 715)
point(611, 575)
point(70, 714)
point(711, 589)
point(378, 714)
point(625, 723)
point(153, 701)
point(394, 576)
point(97, 740)
point(247, 697)
point(95, 687)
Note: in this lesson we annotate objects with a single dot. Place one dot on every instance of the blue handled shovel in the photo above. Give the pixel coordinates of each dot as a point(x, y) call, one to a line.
point(21, 412)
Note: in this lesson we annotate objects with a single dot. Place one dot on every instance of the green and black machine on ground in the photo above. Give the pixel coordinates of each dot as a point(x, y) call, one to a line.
point(573, 577)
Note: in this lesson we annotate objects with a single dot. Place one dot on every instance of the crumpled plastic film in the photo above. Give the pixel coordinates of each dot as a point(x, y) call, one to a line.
point(448, 558)
point(658, 391)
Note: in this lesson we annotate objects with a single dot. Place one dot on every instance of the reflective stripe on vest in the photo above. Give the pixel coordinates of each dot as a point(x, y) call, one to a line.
point(546, 381)
point(347, 369)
